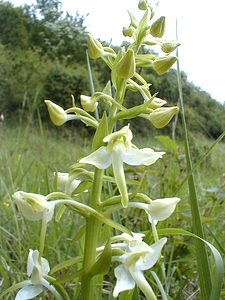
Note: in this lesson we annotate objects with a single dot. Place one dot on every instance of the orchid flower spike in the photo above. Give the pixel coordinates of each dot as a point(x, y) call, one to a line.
point(34, 206)
point(120, 150)
point(137, 257)
point(37, 268)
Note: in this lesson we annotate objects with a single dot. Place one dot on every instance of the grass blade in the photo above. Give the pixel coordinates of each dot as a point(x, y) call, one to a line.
point(201, 253)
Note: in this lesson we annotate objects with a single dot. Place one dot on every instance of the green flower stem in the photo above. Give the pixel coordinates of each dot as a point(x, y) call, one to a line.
point(91, 238)
point(154, 231)
point(42, 235)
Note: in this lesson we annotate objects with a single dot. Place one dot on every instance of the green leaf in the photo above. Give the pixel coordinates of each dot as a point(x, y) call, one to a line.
point(218, 271)
point(167, 142)
point(66, 264)
point(128, 295)
point(102, 264)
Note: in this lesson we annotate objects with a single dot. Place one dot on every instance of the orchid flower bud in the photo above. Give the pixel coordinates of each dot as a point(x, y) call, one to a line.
point(157, 102)
point(163, 64)
point(95, 48)
point(88, 103)
point(169, 46)
point(142, 5)
point(57, 114)
point(33, 206)
point(127, 31)
point(158, 27)
point(126, 66)
point(66, 183)
point(160, 117)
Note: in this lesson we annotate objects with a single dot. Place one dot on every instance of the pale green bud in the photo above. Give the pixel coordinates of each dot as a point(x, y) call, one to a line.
point(126, 66)
point(95, 48)
point(156, 103)
point(163, 64)
point(66, 183)
point(142, 5)
point(33, 206)
point(88, 103)
point(169, 46)
point(127, 31)
point(57, 114)
point(158, 27)
point(160, 117)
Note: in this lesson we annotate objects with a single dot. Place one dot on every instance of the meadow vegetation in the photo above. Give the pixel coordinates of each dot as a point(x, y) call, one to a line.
point(29, 156)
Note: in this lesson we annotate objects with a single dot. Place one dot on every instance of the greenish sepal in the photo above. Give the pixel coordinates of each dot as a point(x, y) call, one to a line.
point(102, 265)
point(100, 132)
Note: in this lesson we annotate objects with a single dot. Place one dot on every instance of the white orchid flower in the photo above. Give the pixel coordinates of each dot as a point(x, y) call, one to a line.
point(118, 151)
point(159, 209)
point(34, 206)
point(66, 182)
point(37, 268)
point(137, 257)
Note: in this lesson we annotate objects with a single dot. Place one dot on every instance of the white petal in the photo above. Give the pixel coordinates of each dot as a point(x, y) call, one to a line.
point(119, 175)
point(161, 209)
point(145, 156)
point(29, 292)
point(49, 211)
point(101, 158)
point(124, 280)
point(31, 261)
point(148, 259)
point(143, 284)
point(44, 266)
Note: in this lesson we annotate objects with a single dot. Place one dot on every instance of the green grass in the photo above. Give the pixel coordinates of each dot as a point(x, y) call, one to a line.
point(28, 158)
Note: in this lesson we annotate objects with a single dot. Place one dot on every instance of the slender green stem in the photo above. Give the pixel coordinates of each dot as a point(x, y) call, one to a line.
point(42, 235)
point(91, 238)
point(202, 257)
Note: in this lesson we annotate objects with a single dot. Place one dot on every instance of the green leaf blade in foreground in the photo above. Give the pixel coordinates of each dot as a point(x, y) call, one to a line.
point(218, 272)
